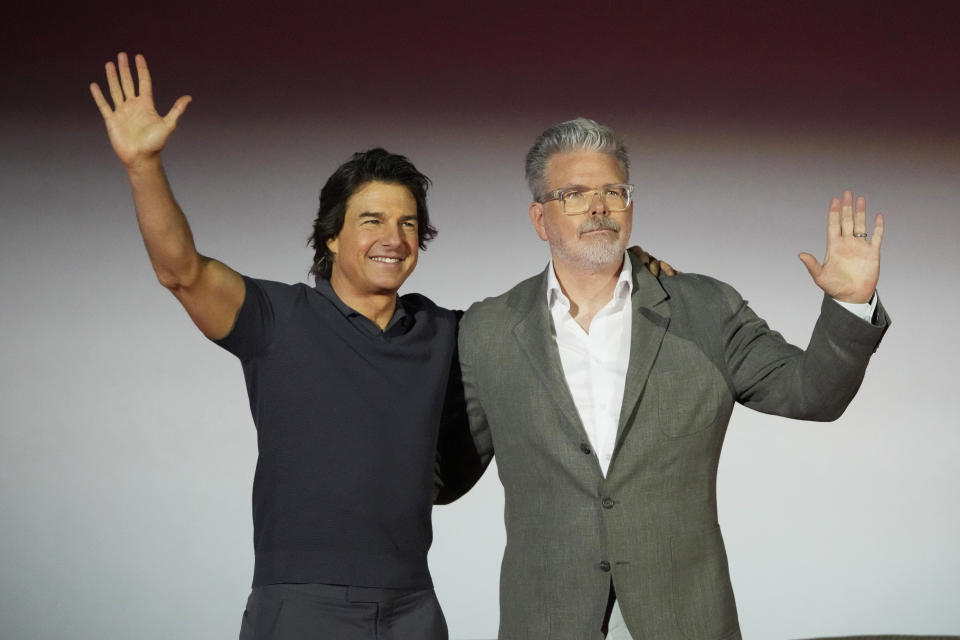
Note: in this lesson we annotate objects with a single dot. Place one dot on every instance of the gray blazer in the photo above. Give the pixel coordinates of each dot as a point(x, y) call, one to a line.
point(651, 524)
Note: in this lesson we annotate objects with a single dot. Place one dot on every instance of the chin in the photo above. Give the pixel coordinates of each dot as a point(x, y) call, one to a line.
point(601, 255)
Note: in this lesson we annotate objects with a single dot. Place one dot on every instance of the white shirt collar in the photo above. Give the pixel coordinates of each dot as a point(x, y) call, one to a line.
point(623, 289)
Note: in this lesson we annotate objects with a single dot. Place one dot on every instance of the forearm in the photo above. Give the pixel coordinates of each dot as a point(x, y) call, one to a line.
point(163, 225)
point(459, 463)
point(814, 384)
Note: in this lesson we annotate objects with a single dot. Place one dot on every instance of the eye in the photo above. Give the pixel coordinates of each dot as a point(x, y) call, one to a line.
point(409, 224)
point(572, 196)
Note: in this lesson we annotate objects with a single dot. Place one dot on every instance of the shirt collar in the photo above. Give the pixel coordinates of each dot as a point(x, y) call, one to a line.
point(623, 289)
point(400, 317)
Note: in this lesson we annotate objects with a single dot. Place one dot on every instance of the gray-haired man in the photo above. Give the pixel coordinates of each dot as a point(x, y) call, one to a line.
point(606, 393)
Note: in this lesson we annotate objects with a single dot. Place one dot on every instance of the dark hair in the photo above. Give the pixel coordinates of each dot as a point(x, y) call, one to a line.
point(373, 165)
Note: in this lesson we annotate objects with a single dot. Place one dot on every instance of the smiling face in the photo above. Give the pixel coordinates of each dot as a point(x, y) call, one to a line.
point(591, 240)
point(377, 247)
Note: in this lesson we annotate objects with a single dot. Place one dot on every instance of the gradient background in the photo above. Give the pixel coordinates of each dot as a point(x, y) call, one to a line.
point(127, 449)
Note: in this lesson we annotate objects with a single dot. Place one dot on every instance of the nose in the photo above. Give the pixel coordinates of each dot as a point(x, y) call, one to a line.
point(598, 204)
point(391, 236)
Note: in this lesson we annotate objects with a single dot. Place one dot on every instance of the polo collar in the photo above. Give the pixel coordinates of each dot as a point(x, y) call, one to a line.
point(401, 320)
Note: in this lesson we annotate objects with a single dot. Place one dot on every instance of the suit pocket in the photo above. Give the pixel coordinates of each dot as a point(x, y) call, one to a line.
point(702, 594)
point(689, 401)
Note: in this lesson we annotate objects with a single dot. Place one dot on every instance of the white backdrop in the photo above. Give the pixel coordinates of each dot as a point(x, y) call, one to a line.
point(127, 449)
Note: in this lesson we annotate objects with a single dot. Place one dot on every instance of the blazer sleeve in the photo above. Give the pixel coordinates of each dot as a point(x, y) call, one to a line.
point(770, 375)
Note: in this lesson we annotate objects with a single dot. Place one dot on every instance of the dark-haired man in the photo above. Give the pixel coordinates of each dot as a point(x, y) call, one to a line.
point(347, 385)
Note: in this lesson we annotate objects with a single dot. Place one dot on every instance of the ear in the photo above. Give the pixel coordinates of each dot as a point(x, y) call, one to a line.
point(333, 244)
point(536, 217)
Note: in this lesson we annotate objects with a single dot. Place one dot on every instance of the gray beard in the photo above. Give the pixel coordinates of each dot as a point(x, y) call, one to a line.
point(594, 253)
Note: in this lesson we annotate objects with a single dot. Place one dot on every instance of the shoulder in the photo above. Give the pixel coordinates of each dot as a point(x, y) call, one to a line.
point(274, 289)
point(419, 304)
point(698, 290)
point(278, 300)
point(515, 300)
point(487, 322)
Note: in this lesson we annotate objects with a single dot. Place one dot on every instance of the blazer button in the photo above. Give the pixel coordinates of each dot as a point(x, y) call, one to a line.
point(604, 566)
point(585, 448)
point(607, 503)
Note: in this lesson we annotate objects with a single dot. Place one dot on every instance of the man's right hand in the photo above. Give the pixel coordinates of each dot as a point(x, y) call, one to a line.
point(137, 132)
point(210, 291)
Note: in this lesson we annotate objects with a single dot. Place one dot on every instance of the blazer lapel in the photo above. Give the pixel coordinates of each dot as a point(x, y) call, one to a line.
point(650, 320)
point(535, 337)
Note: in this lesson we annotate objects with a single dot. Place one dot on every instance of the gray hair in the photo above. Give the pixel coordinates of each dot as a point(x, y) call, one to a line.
point(581, 134)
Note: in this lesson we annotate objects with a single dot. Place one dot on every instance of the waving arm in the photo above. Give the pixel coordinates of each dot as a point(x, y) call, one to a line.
point(210, 291)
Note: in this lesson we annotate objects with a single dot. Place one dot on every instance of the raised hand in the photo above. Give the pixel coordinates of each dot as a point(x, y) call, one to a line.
point(851, 267)
point(137, 132)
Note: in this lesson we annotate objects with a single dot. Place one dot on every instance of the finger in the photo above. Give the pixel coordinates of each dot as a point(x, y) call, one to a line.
point(812, 264)
point(143, 74)
point(177, 110)
point(860, 217)
point(126, 80)
point(640, 254)
point(667, 269)
point(846, 214)
point(105, 109)
point(833, 219)
point(114, 84)
point(877, 238)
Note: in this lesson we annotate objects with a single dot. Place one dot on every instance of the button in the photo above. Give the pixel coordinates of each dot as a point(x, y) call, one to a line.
point(604, 566)
point(607, 503)
point(585, 448)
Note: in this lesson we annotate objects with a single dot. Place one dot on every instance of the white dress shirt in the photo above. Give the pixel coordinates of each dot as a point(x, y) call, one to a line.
point(595, 363)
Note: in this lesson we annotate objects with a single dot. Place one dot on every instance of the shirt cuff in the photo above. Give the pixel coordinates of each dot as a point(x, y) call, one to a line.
point(863, 310)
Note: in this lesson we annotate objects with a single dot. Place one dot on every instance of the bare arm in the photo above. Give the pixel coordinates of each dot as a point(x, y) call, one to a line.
point(209, 290)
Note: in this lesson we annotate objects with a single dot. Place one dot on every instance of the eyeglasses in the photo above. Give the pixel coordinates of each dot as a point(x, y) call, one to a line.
point(616, 197)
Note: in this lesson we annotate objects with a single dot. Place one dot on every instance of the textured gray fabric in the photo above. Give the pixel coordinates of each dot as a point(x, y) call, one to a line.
point(651, 525)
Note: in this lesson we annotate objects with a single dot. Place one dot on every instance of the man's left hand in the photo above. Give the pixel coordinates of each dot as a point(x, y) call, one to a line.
point(851, 267)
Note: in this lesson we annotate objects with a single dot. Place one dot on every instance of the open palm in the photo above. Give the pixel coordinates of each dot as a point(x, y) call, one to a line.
point(851, 266)
point(137, 132)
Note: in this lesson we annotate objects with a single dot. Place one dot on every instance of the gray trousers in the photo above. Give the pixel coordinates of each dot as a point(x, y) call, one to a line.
point(320, 611)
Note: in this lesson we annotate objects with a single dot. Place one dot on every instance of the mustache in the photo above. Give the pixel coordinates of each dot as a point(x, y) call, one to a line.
point(595, 223)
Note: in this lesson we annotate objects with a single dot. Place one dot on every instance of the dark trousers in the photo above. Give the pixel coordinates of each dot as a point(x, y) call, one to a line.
point(320, 611)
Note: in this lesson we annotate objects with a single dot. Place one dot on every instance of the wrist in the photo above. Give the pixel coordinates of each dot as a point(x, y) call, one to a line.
point(144, 166)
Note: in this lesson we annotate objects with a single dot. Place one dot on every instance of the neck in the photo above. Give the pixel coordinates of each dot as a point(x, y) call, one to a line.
point(378, 308)
point(588, 289)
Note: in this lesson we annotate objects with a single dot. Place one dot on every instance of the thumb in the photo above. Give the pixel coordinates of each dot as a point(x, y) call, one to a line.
point(177, 110)
point(811, 263)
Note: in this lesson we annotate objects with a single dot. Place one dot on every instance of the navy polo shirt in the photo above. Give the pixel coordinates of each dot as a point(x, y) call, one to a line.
point(347, 418)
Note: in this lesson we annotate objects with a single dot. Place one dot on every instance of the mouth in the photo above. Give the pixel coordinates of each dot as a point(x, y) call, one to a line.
point(598, 230)
point(599, 225)
point(386, 260)
point(594, 232)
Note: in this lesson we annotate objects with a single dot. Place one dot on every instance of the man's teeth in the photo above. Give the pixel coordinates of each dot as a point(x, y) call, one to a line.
point(378, 259)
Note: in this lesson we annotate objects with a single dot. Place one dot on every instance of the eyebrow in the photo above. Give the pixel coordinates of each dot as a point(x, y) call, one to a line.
point(588, 187)
point(380, 216)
